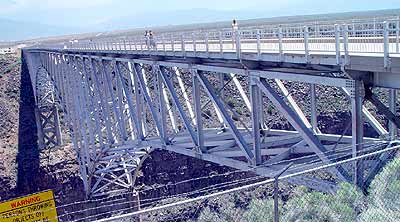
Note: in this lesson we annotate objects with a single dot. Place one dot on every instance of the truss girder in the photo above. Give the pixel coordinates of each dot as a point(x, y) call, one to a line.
point(119, 109)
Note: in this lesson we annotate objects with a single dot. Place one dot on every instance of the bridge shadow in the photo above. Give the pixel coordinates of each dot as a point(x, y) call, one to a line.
point(28, 162)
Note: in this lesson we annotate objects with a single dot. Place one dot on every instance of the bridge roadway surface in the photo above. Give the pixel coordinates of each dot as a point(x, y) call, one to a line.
point(122, 98)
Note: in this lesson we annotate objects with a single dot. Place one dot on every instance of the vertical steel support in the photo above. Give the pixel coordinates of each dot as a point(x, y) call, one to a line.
point(306, 46)
point(256, 106)
point(92, 103)
point(197, 107)
point(72, 107)
point(357, 131)
point(314, 120)
point(138, 99)
point(337, 43)
point(71, 115)
point(393, 109)
point(386, 44)
point(117, 114)
point(161, 106)
point(139, 74)
point(129, 98)
point(81, 114)
point(103, 104)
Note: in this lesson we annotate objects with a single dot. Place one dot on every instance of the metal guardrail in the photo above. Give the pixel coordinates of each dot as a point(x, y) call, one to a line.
point(363, 37)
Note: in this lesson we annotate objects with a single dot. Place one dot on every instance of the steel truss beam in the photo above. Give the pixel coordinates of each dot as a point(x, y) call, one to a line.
point(227, 119)
point(299, 125)
point(46, 109)
point(108, 110)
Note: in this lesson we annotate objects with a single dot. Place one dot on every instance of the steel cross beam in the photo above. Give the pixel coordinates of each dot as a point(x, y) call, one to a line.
point(299, 125)
point(186, 120)
point(236, 134)
point(148, 99)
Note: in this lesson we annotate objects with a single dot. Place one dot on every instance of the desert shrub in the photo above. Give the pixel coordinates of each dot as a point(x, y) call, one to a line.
point(316, 206)
point(384, 195)
point(260, 211)
point(221, 209)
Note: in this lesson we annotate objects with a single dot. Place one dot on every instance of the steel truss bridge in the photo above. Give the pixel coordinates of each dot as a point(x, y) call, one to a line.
point(121, 98)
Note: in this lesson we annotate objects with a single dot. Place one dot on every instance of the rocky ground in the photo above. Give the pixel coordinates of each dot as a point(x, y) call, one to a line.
point(9, 106)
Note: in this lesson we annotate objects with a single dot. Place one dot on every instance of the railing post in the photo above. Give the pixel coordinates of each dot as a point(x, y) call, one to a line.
point(238, 46)
point(306, 49)
point(163, 44)
point(207, 46)
point(221, 46)
point(337, 43)
point(141, 46)
point(124, 44)
point(258, 44)
point(280, 42)
point(398, 35)
point(149, 45)
point(194, 43)
point(386, 44)
point(346, 44)
point(183, 46)
point(172, 44)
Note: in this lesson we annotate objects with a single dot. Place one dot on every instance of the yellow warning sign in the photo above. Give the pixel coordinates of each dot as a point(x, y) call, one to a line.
point(38, 207)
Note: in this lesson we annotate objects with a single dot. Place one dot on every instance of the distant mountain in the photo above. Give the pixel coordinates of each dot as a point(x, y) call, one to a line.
point(11, 30)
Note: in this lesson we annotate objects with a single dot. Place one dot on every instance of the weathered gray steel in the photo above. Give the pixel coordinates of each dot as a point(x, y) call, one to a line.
point(117, 111)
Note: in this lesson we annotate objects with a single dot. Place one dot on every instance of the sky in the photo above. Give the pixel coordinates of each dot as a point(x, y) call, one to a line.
point(94, 15)
point(87, 12)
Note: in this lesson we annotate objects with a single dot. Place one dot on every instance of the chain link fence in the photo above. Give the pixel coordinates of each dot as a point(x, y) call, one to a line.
point(378, 200)
point(260, 199)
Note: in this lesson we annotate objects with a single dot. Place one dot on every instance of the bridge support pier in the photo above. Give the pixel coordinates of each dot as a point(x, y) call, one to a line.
point(48, 124)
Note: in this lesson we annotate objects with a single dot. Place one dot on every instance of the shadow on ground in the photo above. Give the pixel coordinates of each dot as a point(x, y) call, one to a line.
point(28, 162)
